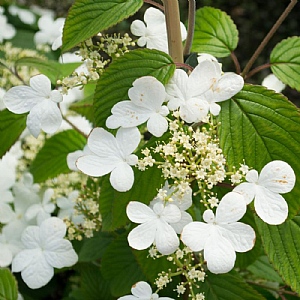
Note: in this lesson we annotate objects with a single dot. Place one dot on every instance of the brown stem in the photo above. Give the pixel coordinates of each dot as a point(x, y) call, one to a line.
point(185, 66)
point(268, 37)
point(159, 6)
point(236, 63)
point(173, 30)
point(191, 28)
point(74, 126)
point(257, 69)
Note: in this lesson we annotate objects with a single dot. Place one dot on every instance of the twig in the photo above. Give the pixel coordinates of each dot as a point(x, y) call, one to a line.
point(173, 30)
point(236, 63)
point(191, 28)
point(257, 69)
point(74, 126)
point(159, 6)
point(268, 37)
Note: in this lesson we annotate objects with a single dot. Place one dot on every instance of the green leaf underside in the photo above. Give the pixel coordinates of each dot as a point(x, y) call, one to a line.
point(258, 126)
point(8, 285)
point(285, 61)
point(228, 286)
point(215, 33)
point(86, 18)
point(51, 160)
point(11, 127)
point(52, 69)
point(114, 84)
point(282, 245)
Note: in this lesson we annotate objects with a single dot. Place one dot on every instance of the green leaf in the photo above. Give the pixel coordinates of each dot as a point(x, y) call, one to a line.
point(285, 61)
point(120, 267)
point(262, 268)
point(52, 69)
point(11, 127)
point(51, 160)
point(86, 18)
point(282, 245)
point(228, 286)
point(114, 84)
point(93, 248)
point(215, 33)
point(258, 126)
point(92, 284)
point(8, 285)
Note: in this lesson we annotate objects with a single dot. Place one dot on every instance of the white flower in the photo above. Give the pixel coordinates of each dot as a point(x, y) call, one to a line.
point(25, 15)
point(154, 226)
point(50, 31)
point(41, 211)
point(273, 83)
point(142, 290)
point(7, 30)
point(205, 56)
point(277, 177)
point(45, 249)
point(185, 92)
point(112, 155)
point(224, 86)
point(39, 101)
point(67, 205)
point(10, 245)
point(147, 96)
point(221, 236)
point(153, 35)
point(182, 201)
point(73, 157)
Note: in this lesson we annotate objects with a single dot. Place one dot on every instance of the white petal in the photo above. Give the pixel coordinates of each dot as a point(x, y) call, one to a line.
point(147, 92)
point(21, 99)
point(41, 84)
point(157, 125)
point(154, 17)
point(122, 177)
point(31, 237)
point(270, 207)
point(185, 219)
point(142, 236)
point(6, 213)
point(273, 83)
point(52, 229)
point(138, 212)
point(166, 239)
point(93, 165)
point(252, 176)
point(215, 109)
point(209, 216)
point(277, 176)
point(141, 290)
point(170, 213)
point(219, 254)
point(34, 122)
point(128, 140)
point(60, 254)
point(72, 158)
point(5, 256)
point(202, 78)
point(138, 28)
point(227, 86)
point(38, 273)
point(23, 259)
point(51, 117)
point(194, 110)
point(126, 114)
point(240, 235)
point(247, 190)
point(195, 234)
point(56, 96)
point(232, 208)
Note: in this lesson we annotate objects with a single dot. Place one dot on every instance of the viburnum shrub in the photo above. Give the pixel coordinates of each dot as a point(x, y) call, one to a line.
point(137, 165)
